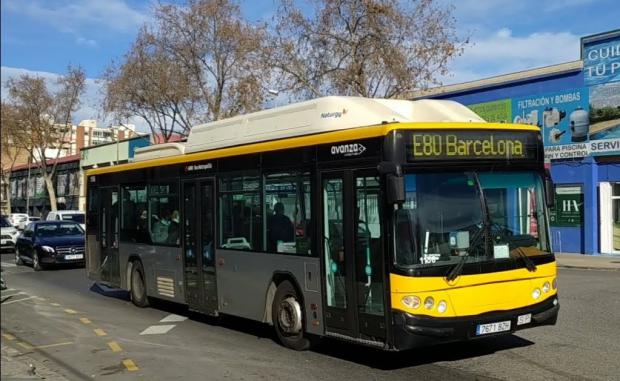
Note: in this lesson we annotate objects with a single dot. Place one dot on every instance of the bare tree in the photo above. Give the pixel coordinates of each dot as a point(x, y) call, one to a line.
point(45, 118)
point(369, 48)
point(11, 144)
point(151, 85)
point(195, 63)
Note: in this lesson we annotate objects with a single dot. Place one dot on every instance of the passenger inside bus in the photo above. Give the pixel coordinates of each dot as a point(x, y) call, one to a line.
point(279, 228)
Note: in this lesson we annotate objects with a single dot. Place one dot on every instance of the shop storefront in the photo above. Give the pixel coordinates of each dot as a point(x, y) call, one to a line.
point(577, 107)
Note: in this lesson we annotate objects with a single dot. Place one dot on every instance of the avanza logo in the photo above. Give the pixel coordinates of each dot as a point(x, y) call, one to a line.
point(354, 149)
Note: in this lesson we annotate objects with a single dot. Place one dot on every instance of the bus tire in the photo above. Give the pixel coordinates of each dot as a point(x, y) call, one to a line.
point(287, 313)
point(138, 286)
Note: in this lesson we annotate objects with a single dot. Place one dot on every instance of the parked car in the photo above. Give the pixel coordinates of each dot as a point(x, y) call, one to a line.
point(23, 223)
point(67, 215)
point(15, 218)
point(8, 234)
point(45, 243)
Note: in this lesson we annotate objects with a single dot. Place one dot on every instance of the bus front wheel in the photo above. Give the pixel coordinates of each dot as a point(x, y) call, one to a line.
point(287, 315)
point(138, 288)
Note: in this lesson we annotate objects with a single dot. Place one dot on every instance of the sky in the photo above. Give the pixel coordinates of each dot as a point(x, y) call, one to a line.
point(44, 36)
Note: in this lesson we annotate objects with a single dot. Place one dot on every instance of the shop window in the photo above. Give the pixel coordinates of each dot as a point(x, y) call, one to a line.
point(134, 212)
point(163, 214)
point(240, 213)
point(288, 213)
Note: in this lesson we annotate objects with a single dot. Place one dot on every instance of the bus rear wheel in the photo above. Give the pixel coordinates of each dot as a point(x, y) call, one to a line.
point(138, 287)
point(287, 314)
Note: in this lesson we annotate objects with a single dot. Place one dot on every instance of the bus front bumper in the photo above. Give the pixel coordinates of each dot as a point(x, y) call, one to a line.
point(412, 331)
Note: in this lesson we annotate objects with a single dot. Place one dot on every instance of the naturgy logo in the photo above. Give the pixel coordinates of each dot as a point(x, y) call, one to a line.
point(334, 114)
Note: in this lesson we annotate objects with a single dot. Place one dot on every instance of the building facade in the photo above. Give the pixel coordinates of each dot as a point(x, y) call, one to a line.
point(577, 107)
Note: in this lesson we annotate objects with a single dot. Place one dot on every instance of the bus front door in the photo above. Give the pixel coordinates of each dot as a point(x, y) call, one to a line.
point(198, 245)
point(353, 255)
point(109, 267)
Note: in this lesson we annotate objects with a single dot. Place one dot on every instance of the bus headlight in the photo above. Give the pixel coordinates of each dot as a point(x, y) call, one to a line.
point(546, 287)
point(554, 283)
point(536, 293)
point(429, 302)
point(442, 306)
point(411, 301)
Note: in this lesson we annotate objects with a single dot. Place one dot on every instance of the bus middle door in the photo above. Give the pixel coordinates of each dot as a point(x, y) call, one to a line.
point(353, 255)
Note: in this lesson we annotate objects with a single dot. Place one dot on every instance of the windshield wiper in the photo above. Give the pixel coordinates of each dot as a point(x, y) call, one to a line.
point(529, 264)
point(457, 269)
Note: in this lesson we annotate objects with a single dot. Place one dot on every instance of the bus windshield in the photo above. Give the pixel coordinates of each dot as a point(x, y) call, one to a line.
point(465, 217)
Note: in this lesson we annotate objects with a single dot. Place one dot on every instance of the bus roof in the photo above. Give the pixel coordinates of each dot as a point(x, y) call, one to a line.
point(306, 118)
point(320, 121)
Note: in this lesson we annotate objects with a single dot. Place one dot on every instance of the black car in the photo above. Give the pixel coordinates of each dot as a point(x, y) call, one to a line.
point(45, 243)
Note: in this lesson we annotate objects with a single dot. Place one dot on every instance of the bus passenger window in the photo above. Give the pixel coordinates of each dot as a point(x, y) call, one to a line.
point(240, 213)
point(134, 214)
point(163, 216)
point(288, 213)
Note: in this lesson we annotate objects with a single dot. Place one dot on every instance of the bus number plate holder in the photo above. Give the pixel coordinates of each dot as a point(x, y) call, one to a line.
point(486, 329)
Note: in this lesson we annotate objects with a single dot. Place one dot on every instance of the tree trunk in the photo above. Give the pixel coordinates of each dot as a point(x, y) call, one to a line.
point(51, 191)
point(7, 177)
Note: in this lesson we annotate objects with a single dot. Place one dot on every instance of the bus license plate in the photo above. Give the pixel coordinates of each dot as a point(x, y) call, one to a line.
point(485, 329)
point(74, 256)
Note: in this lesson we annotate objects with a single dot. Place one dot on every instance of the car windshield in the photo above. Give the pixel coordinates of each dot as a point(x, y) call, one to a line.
point(55, 230)
point(4, 223)
point(484, 216)
point(79, 218)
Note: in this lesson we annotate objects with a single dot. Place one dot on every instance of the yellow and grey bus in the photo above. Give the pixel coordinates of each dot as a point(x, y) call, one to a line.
point(388, 223)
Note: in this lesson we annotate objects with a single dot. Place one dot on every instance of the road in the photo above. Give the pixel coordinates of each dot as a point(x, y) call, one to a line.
point(84, 332)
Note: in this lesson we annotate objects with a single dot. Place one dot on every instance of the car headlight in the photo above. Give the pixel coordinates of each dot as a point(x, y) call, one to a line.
point(47, 249)
point(411, 301)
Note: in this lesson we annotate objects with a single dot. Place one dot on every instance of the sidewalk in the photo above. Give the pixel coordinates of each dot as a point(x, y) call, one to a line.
point(582, 261)
point(16, 366)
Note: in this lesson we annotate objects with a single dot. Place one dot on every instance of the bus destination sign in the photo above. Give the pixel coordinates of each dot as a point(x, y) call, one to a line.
point(446, 145)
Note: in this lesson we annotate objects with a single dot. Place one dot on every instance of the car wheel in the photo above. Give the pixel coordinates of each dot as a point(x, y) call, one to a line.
point(36, 264)
point(288, 318)
point(138, 287)
point(18, 258)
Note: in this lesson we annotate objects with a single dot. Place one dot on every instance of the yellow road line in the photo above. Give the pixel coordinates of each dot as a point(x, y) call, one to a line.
point(70, 311)
point(114, 346)
point(85, 320)
point(100, 332)
point(130, 365)
point(53, 345)
point(8, 336)
point(24, 345)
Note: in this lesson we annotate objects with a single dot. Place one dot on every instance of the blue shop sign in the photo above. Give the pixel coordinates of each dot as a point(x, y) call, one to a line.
point(601, 59)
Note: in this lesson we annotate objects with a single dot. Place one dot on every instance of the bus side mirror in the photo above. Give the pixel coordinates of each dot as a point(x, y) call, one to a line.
point(395, 189)
point(549, 191)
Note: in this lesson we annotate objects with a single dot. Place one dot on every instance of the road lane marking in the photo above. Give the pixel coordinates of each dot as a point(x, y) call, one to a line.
point(114, 346)
point(70, 311)
point(157, 329)
point(172, 318)
point(55, 304)
point(8, 336)
point(9, 289)
point(53, 345)
point(100, 332)
point(85, 320)
point(12, 295)
point(130, 365)
point(25, 345)
point(18, 300)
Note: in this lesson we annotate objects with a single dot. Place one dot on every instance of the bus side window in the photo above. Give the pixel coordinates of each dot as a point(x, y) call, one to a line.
point(163, 207)
point(241, 218)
